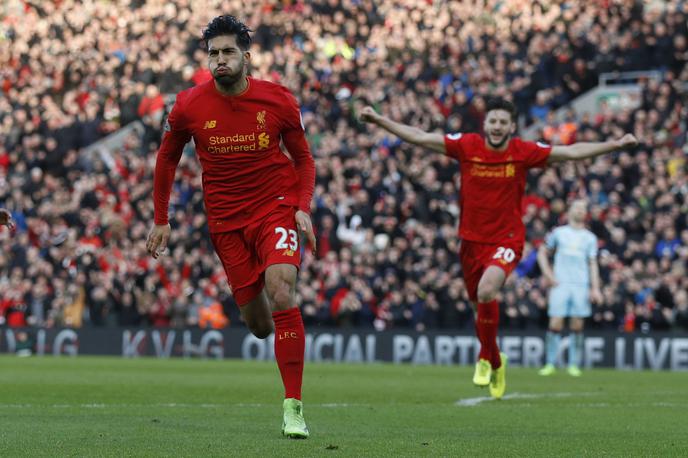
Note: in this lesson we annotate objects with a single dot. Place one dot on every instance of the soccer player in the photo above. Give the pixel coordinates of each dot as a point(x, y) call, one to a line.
point(6, 218)
point(575, 282)
point(493, 177)
point(256, 197)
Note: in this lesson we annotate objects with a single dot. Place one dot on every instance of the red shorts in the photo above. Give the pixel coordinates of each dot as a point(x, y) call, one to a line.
point(476, 257)
point(245, 253)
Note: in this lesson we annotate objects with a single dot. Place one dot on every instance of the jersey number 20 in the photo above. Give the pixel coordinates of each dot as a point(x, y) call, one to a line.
point(285, 234)
point(506, 254)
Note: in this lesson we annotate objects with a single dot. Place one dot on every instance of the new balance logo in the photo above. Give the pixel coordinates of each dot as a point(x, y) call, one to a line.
point(210, 124)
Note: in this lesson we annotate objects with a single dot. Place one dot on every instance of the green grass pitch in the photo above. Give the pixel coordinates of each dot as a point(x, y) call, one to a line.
point(105, 406)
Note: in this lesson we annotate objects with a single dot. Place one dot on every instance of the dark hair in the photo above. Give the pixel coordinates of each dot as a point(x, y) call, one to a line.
point(498, 103)
point(228, 25)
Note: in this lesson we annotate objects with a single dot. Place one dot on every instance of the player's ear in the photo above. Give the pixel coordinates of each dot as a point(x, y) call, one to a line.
point(247, 62)
point(513, 127)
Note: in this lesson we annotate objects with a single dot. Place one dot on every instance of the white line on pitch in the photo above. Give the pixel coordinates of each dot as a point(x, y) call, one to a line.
point(172, 405)
point(471, 402)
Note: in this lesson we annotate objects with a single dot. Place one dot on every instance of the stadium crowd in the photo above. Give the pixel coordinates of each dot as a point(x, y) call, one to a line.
point(386, 213)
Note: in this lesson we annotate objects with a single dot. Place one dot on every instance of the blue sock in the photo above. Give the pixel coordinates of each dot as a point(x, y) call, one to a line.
point(575, 348)
point(552, 346)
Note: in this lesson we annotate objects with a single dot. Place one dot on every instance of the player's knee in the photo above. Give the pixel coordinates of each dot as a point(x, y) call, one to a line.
point(576, 325)
point(556, 324)
point(486, 293)
point(280, 294)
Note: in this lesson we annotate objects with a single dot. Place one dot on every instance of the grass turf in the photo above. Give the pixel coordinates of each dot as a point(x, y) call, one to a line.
point(107, 406)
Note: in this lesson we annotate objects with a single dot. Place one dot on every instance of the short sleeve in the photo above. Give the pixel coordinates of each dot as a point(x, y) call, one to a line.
point(592, 247)
point(454, 145)
point(551, 240)
point(536, 154)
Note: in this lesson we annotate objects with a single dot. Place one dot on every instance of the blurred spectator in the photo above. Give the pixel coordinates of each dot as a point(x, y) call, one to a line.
point(211, 316)
point(386, 213)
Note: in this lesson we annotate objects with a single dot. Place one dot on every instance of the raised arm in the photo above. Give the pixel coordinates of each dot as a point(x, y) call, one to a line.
point(433, 141)
point(585, 150)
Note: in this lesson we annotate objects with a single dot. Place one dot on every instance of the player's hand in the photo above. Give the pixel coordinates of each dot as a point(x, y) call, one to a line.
point(304, 224)
point(157, 239)
point(627, 141)
point(596, 296)
point(6, 218)
point(368, 114)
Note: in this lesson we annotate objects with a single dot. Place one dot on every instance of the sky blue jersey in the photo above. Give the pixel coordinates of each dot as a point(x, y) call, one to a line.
point(573, 249)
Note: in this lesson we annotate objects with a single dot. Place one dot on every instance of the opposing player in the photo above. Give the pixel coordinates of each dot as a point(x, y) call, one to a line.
point(493, 177)
point(256, 198)
point(575, 282)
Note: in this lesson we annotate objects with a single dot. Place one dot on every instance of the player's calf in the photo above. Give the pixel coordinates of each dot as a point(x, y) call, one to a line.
point(258, 317)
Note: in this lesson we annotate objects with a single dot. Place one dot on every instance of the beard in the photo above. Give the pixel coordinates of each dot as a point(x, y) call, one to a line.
point(230, 78)
point(500, 144)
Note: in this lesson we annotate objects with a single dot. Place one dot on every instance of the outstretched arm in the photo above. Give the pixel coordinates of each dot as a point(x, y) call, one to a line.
point(433, 141)
point(585, 150)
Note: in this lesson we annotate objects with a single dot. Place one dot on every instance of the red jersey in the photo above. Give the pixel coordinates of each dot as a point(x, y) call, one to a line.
point(492, 186)
point(245, 173)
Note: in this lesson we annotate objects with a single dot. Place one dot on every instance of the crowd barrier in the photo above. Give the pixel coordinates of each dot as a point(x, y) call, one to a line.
point(655, 351)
